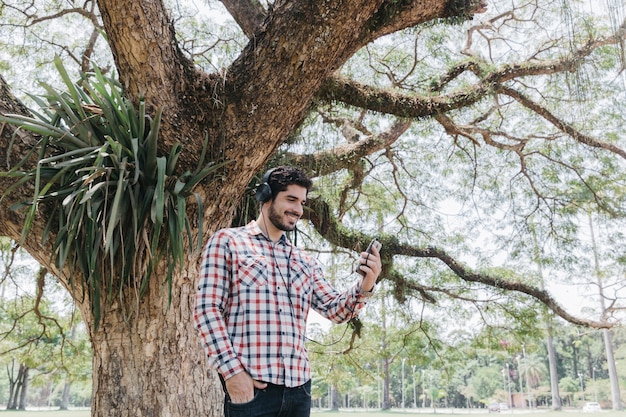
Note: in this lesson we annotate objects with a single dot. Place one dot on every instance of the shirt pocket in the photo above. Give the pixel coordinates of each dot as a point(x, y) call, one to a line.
point(301, 280)
point(252, 271)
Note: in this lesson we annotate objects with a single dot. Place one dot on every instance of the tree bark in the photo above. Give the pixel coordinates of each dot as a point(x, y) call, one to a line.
point(65, 396)
point(24, 387)
point(557, 404)
point(152, 364)
point(386, 385)
point(616, 398)
point(334, 398)
point(17, 391)
point(10, 375)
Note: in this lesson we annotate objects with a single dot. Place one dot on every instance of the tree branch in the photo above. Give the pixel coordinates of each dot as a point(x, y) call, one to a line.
point(559, 124)
point(386, 101)
point(399, 104)
point(346, 156)
point(321, 218)
point(394, 15)
point(249, 14)
point(391, 16)
point(469, 276)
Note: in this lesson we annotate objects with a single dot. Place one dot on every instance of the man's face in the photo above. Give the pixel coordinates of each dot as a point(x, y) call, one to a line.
point(287, 207)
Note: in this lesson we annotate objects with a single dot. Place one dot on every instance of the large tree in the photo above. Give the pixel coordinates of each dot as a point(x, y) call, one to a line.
point(304, 62)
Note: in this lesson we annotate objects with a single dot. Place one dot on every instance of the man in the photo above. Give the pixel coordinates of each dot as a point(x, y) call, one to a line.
point(253, 299)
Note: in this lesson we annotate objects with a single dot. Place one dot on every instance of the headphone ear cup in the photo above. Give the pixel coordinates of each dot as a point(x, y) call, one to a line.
point(263, 190)
point(263, 193)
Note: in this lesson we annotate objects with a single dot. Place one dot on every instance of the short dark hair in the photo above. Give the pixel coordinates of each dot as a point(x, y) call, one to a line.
point(284, 176)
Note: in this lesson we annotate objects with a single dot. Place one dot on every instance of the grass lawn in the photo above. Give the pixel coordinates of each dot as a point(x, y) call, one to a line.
point(465, 412)
point(359, 413)
point(46, 413)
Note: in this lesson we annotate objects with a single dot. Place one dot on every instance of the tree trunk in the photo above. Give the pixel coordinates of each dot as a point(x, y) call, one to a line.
point(554, 376)
point(334, 398)
point(24, 384)
point(16, 398)
point(557, 405)
point(386, 383)
point(606, 334)
point(610, 361)
point(65, 397)
point(386, 377)
point(12, 383)
point(152, 364)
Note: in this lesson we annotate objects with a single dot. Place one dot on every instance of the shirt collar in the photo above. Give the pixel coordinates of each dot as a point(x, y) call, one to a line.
point(254, 229)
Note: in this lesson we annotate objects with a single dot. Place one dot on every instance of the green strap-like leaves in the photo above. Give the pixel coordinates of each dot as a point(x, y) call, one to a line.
point(118, 205)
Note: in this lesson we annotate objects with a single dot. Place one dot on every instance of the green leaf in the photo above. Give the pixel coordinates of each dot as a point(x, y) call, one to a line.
point(42, 128)
point(151, 145)
point(69, 84)
point(200, 223)
point(114, 211)
point(202, 174)
point(158, 201)
point(172, 159)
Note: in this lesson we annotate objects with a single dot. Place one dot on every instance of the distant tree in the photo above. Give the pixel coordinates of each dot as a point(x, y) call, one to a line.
point(34, 337)
point(536, 368)
point(485, 383)
point(569, 387)
point(18, 385)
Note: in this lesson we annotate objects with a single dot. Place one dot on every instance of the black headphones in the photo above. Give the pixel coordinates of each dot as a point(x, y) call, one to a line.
point(263, 190)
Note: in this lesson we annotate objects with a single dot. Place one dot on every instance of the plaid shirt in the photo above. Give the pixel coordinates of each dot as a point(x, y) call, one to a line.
point(252, 304)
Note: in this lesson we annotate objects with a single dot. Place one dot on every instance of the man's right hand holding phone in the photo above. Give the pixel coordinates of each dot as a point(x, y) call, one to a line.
point(370, 266)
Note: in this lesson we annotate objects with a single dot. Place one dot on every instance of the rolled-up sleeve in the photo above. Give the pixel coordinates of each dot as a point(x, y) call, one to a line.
point(336, 306)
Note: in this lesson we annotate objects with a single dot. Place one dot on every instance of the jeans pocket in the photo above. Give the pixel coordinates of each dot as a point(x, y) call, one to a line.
point(306, 388)
point(246, 409)
point(256, 395)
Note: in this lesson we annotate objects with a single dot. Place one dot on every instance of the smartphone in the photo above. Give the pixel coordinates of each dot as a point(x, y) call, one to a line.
point(374, 243)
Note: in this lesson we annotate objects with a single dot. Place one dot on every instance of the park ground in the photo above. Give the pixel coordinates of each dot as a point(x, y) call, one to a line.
point(442, 412)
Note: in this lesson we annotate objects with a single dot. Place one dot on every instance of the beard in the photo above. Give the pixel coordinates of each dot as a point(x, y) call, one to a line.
point(277, 220)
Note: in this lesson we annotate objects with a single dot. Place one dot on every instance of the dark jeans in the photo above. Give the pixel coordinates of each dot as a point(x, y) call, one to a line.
point(274, 401)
